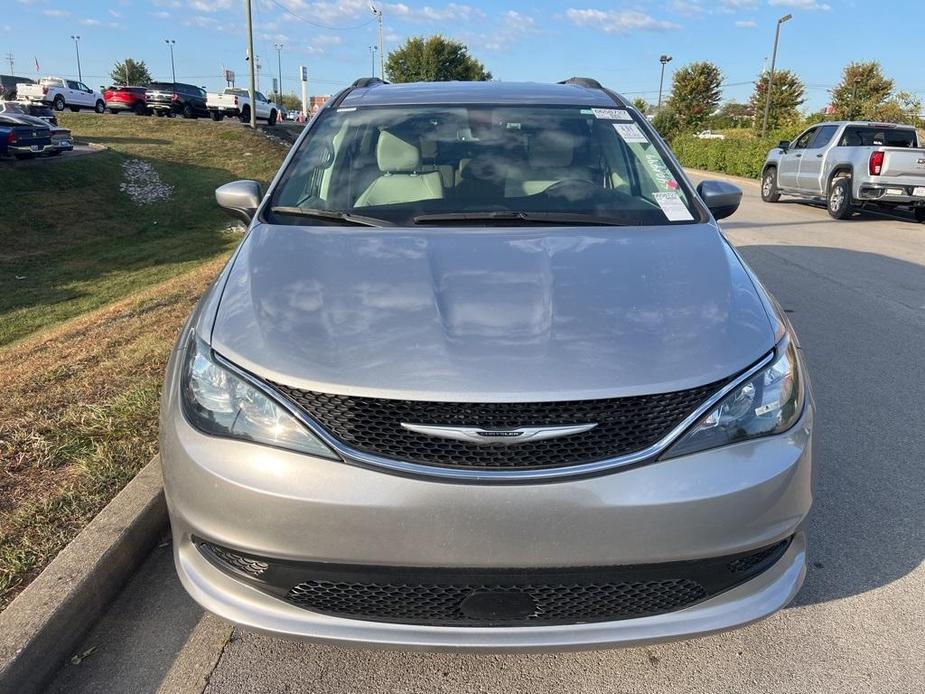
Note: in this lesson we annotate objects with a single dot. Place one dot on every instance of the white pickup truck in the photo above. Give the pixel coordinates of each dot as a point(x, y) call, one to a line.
point(851, 165)
point(60, 93)
point(237, 103)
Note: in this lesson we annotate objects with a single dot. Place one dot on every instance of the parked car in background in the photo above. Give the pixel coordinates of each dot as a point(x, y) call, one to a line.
point(123, 98)
point(27, 108)
point(171, 99)
point(485, 372)
point(9, 86)
point(236, 103)
point(23, 139)
point(62, 93)
point(61, 141)
point(710, 135)
point(851, 165)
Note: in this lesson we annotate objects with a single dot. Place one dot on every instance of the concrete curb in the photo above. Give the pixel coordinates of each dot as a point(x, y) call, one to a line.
point(41, 628)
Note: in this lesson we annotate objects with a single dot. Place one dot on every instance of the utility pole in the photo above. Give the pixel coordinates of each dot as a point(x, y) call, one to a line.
point(279, 71)
point(378, 14)
point(76, 40)
point(767, 101)
point(173, 71)
point(252, 91)
point(664, 60)
point(9, 59)
point(372, 61)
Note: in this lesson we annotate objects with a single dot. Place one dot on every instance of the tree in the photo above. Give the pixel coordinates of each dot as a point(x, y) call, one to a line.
point(666, 124)
point(695, 93)
point(787, 95)
point(642, 105)
point(862, 92)
point(131, 72)
point(433, 59)
point(903, 107)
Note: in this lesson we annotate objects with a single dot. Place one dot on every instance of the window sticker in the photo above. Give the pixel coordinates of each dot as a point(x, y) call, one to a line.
point(630, 132)
point(611, 114)
point(673, 207)
point(346, 109)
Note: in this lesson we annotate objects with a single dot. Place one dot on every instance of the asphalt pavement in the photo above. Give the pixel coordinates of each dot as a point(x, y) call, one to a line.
point(855, 291)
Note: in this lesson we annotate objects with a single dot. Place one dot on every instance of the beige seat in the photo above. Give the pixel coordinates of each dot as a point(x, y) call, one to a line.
point(401, 179)
point(550, 158)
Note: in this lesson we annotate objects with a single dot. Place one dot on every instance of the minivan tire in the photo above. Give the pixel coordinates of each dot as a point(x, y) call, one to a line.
point(769, 191)
point(58, 103)
point(99, 106)
point(838, 201)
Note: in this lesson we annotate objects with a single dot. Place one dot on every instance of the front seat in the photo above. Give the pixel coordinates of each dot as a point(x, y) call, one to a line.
point(551, 157)
point(401, 179)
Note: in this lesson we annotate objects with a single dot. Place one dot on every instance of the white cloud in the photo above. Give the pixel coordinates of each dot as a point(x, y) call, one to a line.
point(618, 21)
point(212, 5)
point(162, 15)
point(512, 27)
point(115, 14)
point(56, 13)
point(90, 22)
point(746, 24)
point(687, 8)
point(801, 4)
point(739, 4)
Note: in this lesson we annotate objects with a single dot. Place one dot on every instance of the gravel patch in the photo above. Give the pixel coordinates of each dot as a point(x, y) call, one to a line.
point(143, 184)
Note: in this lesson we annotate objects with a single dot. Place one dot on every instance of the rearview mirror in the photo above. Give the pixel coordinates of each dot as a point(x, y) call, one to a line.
point(720, 197)
point(784, 144)
point(240, 199)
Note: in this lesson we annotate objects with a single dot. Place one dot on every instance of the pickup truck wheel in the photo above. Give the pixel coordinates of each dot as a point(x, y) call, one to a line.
point(140, 109)
point(839, 198)
point(216, 115)
point(246, 114)
point(272, 119)
point(75, 109)
point(99, 107)
point(58, 103)
point(919, 213)
point(769, 192)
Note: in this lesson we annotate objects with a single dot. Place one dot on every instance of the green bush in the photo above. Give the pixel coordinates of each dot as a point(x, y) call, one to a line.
point(740, 154)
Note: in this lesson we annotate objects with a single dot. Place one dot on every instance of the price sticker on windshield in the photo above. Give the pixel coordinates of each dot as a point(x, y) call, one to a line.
point(611, 114)
point(630, 132)
point(673, 207)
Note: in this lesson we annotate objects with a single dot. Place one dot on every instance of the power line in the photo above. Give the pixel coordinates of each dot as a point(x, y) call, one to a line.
point(319, 24)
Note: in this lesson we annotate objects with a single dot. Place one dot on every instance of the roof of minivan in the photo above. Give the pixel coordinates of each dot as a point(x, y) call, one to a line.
point(408, 93)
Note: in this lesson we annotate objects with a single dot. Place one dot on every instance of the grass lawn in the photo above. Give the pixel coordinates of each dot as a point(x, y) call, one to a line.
point(93, 289)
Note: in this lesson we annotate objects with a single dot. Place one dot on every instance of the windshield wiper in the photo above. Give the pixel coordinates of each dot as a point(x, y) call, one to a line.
point(514, 216)
point(316, 213)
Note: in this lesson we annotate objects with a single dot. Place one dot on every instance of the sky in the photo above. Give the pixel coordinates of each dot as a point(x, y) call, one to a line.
point(619, 43)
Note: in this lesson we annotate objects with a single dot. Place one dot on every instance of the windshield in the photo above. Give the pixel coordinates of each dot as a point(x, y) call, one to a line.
point(534, 164)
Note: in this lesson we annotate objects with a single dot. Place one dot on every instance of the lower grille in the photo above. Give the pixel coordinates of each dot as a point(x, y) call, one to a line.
point(503, 597)
point(624, 425)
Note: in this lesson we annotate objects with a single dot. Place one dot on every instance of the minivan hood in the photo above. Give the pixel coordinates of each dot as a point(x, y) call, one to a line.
point(492, 315)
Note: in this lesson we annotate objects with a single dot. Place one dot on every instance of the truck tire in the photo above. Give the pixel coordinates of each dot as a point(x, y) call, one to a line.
point(919, 213)
point(216, 115)
point(272, 119)
point(99, 106)
point(140, 109)
point(769, 191)
point(246, 114)
point(838, 201)
point(58, 103)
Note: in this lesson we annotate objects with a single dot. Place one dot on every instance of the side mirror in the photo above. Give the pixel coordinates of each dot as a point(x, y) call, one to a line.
point(720, 197)
point(240, 199)
point(784, 144)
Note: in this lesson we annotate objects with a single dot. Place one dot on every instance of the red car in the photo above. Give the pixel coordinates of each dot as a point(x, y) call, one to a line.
point(126, 99)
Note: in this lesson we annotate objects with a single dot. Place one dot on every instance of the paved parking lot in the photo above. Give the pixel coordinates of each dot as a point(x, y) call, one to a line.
point(856, 292)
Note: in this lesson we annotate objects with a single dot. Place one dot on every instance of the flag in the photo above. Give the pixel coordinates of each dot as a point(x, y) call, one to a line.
point(37, 68)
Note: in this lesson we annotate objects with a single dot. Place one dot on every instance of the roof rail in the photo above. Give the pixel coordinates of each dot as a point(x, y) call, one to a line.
point(368, 82)
point(583, 82)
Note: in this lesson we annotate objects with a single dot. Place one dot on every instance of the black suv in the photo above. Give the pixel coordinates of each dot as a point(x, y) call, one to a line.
point(8, 85)
point(170, 98)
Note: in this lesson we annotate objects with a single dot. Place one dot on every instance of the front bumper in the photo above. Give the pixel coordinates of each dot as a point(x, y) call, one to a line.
point(273, 503)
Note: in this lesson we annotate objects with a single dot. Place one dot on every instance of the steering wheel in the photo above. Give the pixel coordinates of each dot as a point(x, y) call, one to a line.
point(573, 188)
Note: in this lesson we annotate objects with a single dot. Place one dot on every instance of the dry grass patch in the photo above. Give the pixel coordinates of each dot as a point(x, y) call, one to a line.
point(79, 418)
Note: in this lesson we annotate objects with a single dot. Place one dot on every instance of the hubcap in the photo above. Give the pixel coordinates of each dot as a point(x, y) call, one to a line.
point(766, 188)
point(836, 198)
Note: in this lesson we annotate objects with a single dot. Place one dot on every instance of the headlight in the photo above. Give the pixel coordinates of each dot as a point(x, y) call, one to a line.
point(218, 402)
point(768, 403)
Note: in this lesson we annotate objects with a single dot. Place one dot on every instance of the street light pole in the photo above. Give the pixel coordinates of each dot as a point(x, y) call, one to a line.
point(767, 101)
point(76, 39)
point(372, 60)
point(252, 92)
point(664, 60)
point(279, 71)
point(378, 14)
point(173, 70)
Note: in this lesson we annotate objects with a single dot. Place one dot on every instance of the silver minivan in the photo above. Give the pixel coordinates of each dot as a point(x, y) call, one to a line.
point(484, 373)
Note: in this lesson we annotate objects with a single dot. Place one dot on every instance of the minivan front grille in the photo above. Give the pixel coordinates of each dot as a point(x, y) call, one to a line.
point(624, 425)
